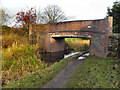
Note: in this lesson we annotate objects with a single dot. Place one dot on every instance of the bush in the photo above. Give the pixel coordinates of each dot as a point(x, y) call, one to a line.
point(6, 30)
point(9, 39)
point(33, 38)
point(115, 52)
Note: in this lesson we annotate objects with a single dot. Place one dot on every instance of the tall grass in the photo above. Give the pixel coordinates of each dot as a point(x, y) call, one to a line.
point(19, 58)
point(19, 61)
point(9, 39)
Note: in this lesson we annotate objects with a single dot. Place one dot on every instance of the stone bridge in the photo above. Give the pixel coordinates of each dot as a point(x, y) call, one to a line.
point(98, 31)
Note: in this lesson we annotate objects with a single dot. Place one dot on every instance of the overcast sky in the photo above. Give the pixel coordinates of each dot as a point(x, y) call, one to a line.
point(79, 9)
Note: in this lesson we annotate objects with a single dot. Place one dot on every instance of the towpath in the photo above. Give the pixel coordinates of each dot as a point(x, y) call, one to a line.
point(62, 77)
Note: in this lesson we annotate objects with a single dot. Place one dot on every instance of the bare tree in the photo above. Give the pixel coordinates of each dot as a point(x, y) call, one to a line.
point(38, 16)
point(53, 14)
point(5, 17)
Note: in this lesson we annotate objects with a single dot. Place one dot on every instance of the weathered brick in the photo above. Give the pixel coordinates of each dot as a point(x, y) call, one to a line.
point(99, 30)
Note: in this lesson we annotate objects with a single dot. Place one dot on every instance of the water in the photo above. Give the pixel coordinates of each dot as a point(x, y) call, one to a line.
point(87, 54)
point(68, 55)
point(57, 56)
point(83, 56)
point(53, 57)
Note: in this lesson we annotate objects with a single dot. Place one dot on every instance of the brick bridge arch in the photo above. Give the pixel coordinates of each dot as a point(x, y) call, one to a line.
point(97, 30)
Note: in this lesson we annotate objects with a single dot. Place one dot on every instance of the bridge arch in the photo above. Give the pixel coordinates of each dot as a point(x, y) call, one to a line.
point(97, 30)
point(58, 41)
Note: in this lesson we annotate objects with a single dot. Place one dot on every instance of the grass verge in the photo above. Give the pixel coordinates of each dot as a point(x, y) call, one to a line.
point(19, 62)
point(39, 78)
point(95, 72)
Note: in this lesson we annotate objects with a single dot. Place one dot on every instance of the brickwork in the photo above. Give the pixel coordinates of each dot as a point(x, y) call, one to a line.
point(99, 30)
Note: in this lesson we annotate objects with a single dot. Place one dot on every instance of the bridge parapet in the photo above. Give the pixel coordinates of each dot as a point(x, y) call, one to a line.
point(101, 25)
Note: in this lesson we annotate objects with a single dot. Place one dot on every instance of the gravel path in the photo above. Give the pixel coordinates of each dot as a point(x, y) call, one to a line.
point(61, 78)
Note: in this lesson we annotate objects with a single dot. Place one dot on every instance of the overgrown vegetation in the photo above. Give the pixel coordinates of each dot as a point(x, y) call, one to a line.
point(20, 57)
point(40, 77)
point(10, 39)
point(95, 73)
point(114, 11)
point(19, 61)
point(77, 44)
point(114, 49)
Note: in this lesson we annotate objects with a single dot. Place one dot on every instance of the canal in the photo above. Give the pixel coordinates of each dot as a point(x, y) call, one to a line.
point(72, 46)
point(57, 56)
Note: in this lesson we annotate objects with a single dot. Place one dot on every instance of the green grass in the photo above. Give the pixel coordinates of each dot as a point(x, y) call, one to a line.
point(77, 43)
point(38, 78)
point(19, 62)
point(95, 73)
point(19, 58)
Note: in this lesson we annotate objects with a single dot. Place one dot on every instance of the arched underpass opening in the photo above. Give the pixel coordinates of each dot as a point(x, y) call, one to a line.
point(76, 45)
point(58, 47)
